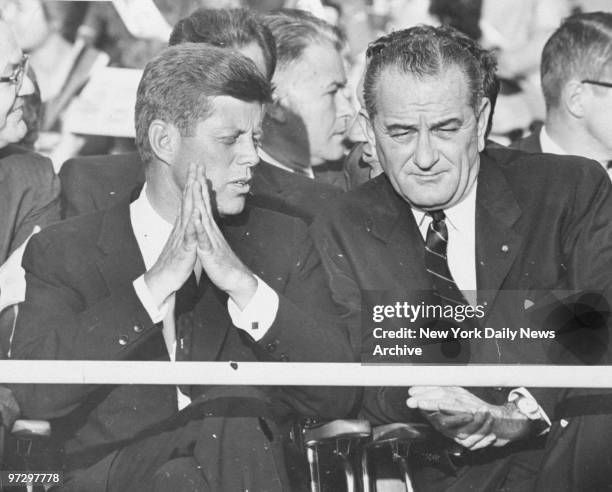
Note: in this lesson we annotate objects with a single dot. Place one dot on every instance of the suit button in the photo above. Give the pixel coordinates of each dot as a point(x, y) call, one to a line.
point(137, 329)
point(271, 347)
point(284, 357)
point(123, 340)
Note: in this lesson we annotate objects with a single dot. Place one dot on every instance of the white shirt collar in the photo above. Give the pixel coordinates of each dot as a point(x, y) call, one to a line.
point(549, 146)
point(150, 229)
point(264, 156)
point(461, 216)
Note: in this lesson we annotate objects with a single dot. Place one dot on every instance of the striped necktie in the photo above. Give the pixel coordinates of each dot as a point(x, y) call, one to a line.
point(436, 263)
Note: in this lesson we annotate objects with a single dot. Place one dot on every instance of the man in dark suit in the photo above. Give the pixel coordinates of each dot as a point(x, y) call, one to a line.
point(577, 86)
point(96, 182)
point(450, 225)
point(123, 284)
point(29, 194)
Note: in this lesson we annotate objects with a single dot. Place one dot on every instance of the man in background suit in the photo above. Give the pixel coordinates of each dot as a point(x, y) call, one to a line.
point(576, 78)
point(29, 194)
point(225, 282)
point(448, 218)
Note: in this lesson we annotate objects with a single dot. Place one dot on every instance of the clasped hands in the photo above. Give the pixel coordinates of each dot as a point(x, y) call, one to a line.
point(196, 236)
point(465, 418)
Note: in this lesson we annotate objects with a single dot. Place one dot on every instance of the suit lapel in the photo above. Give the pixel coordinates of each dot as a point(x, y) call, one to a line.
point(392, 222)
point(497, 240)
point(120, 261)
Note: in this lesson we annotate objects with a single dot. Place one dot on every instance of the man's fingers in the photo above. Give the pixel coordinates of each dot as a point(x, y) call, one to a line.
point(481, 424)
point(187, 202)
point(205, 193)
point(453, 420)
point(484, 442)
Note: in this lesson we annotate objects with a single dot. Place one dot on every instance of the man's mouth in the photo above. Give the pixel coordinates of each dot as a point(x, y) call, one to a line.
point(242, 184)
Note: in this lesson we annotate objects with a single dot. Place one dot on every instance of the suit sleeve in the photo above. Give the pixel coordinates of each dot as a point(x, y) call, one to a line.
point(39, 203)
point(54, 323)
point(307, 329)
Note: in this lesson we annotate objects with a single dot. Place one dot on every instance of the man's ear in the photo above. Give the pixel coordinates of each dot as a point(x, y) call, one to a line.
point(573, 97)
point(367, 127)
point(276, 110)
point(483, 120)
point(164, 139)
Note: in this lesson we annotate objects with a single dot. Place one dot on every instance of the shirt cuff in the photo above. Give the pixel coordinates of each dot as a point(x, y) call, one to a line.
point(516, 392)
point(157, 314)
point(259, 314)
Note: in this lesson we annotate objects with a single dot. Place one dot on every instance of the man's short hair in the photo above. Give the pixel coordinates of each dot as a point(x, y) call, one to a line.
point(227, 28)
point(423, 51)
point(294, 30)
point(177, 85)
point(580, 48)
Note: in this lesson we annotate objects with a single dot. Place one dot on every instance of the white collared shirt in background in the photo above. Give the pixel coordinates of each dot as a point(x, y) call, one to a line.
point(264, 156)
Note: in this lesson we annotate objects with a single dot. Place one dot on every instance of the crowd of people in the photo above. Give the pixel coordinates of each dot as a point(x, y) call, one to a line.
point(284, 177)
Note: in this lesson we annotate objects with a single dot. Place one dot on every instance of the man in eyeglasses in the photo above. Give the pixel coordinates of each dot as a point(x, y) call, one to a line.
point(576, 73)
point(29, 194)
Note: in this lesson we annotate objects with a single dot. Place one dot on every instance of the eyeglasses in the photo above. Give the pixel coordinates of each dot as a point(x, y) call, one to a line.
point(596, 82)
point(16, 78)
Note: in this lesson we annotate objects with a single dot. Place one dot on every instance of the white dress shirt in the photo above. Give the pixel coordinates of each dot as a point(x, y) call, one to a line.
point(264, 156)
point(152, 233)
point(461, 257)
point(461, 248)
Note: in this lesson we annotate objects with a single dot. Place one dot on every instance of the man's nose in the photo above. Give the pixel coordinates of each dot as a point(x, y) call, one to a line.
point(344, 107)
point(425, 155)
point(27, 87)
point(249, 155)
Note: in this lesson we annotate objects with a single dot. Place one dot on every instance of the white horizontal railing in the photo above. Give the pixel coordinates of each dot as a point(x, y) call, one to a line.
point(300, 374)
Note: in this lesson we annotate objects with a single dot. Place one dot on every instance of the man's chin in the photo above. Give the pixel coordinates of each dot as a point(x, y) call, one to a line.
point(12, 132)
point(231, 207)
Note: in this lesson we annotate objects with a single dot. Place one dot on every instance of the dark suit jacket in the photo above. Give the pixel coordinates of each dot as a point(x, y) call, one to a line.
point(542, 222)
point(80, 304)
point(29, 196)
point(97, 182)
point(530, 143)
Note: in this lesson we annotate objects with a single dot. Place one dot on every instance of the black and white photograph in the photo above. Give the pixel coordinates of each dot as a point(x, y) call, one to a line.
point(306, 245)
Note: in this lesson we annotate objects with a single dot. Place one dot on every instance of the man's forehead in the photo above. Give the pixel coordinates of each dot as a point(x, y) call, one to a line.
point(230, 112)
point(399, 91)
point(320, 64)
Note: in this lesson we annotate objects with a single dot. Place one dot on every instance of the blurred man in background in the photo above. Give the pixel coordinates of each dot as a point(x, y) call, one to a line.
point(576, 76)
point(29, 194)
point(308, 119)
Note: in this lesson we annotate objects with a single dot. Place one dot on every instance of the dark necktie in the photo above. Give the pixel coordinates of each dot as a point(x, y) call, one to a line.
point(436, 262)
point(445, 288)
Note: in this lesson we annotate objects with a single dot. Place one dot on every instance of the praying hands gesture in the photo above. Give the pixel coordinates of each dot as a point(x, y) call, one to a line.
point(196, 235)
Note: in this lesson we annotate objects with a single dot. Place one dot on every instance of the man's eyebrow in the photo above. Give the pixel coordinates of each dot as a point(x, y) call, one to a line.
point(337, 84)
point(446, 122)
point(394, 127)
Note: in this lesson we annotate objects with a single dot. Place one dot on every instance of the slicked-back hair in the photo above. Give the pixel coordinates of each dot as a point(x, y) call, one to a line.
point(580, 48)
point(294, 30)
point(227, 28)
point(178, 84)
point(425, 51)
